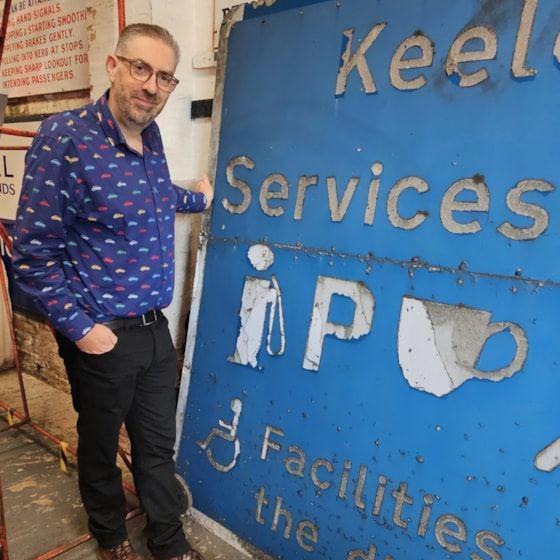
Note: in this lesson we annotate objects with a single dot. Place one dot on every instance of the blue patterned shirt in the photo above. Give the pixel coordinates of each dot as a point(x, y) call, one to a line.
point(94, 233)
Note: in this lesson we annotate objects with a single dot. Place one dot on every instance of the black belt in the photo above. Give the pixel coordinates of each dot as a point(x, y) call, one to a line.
point(144, 320)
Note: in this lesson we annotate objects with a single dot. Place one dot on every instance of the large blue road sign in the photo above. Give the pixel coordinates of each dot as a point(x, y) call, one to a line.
point(375, 371)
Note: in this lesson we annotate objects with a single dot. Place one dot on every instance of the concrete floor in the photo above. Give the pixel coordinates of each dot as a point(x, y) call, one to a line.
point(42, 504)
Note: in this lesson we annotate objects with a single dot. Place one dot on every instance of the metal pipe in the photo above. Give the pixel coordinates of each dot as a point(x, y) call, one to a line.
point(13, 426)
point(15, 132)
point(37, 428)
point(122, 14)
point(4, 28)
point(5, 294)
point(58, 551)
point(3, 535)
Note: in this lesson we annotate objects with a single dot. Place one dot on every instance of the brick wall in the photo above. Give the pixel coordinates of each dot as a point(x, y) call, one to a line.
point(38, 351)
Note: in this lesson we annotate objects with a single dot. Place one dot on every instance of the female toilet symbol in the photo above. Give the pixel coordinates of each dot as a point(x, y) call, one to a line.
point(258, 295)
point(229, 435)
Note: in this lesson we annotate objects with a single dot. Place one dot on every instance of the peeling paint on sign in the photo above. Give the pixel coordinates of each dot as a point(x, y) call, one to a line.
point(320, 327)
point(388, 322)
point(439, 345)
point(260, 297)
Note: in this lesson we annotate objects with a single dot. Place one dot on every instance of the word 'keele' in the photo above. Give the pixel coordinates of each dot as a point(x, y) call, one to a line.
point(405, 59)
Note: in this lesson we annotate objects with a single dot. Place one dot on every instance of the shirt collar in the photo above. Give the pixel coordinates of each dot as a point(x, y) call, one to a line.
point(111, 128)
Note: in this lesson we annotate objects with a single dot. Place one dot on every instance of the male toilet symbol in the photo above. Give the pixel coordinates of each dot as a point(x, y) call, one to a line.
point(259, 296)
point(229, 435)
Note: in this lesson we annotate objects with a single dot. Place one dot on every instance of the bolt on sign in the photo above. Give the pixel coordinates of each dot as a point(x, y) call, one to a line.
point(375, 371)
point(46, 47)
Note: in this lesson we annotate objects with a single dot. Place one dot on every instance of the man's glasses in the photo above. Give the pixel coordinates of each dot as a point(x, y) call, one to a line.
point(143, 72)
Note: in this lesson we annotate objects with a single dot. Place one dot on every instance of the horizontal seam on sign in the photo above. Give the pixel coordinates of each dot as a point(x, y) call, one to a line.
point(415, 263)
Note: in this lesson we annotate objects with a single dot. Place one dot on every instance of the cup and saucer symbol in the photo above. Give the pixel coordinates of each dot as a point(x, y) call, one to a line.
point(439, 345)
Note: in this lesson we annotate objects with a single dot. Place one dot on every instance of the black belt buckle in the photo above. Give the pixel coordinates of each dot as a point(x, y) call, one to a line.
point(145, 322)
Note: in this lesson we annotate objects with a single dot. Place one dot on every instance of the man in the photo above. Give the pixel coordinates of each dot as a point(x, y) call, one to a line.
point(94, 247)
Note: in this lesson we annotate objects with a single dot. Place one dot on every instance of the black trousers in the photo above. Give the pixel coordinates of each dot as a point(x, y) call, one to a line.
point(134, 383)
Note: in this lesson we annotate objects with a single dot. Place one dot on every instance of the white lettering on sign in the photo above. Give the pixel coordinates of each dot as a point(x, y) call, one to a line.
point(339, 203)
point(518, 68)
point(461, 51)
point(458, 55)
point(339, 207)
point(46, 48)
point(536, 213)
point(307, 533)
point(357, 60)
point(239, 185)
point(450, 204)
point(399, 63)
point(320, 327)
point(395, 218)
point(413, 514)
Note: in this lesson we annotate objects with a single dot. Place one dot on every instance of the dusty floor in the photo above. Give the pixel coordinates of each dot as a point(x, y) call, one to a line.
point(41, 503)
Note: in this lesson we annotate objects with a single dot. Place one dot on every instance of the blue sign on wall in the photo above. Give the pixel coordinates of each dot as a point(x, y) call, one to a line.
point(375, 371)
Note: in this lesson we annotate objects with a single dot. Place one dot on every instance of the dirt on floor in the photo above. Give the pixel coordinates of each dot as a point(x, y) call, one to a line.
point(42, 505)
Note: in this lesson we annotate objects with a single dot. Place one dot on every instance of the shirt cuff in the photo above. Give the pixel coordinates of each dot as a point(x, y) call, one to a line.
point(193, 202)
point(74, 327)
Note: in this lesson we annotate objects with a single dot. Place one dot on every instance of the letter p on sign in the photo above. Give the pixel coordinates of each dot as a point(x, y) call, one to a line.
point(364, 303)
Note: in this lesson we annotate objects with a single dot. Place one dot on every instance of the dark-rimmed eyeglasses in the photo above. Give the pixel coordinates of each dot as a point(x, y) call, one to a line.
point(142, 72)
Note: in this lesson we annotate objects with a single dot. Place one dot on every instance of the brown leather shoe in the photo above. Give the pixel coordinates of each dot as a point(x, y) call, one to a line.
point(122, 552)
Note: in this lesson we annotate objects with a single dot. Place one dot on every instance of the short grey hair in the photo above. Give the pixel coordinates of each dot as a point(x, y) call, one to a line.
point(147, 30)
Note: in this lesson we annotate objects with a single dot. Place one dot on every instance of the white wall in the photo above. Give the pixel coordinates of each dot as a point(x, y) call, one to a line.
point(186, 142)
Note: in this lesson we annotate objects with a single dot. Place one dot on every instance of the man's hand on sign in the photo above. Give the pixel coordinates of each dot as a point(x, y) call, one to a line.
point(99, 340)
point(204, 186)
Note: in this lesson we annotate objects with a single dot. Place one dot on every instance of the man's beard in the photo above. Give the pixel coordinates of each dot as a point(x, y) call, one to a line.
point(133, 115)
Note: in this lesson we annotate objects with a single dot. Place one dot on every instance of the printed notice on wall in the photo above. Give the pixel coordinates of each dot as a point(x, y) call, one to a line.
point(46, 48)
point(11, 177)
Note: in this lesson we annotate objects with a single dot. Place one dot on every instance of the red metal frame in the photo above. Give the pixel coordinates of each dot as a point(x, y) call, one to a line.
point(26, 418)
point(3, 536)
point(4, 26)
point(15, 132)
point(122, 14)
point(58, 551)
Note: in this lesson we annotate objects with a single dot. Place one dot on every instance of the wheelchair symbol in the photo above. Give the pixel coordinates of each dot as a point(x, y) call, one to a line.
point(229, 434)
